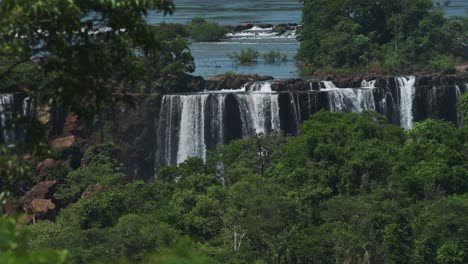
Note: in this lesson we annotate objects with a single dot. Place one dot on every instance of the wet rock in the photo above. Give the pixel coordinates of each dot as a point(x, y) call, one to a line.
point(134, 133)
point(293, 85)
point(232, 82)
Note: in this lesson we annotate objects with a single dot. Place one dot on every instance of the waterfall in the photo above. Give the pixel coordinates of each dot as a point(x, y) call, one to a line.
point(259, 113)
point(168, 130)
point(264, 87)
point(16, 112)
point(351, 100)
point(192, 127)
point(407, 91)
point(368, 84)
point(328, 84)
point(6, 116)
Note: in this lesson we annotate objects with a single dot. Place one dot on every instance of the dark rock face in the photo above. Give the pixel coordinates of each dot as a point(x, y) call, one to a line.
point(141, 129)
point(134, 132)
point(263, 106)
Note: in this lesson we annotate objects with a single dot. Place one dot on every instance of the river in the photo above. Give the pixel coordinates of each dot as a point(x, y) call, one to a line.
point(211, 58)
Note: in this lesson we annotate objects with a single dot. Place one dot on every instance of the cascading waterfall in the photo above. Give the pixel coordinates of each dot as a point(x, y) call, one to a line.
point(192, 124)
point(192, 127)
point(259, 113)
point(15, 108)
point(6, 115)
point(169, 119)
point(407, 92)
point(368, 84)
point(328, 84)
point(264, 87)
point(351, 100)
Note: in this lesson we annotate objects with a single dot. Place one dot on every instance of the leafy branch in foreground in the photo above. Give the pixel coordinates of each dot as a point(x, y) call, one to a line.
point(83, 49)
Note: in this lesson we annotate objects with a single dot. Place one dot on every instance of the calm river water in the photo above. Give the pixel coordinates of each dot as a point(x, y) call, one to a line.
point(212, 58)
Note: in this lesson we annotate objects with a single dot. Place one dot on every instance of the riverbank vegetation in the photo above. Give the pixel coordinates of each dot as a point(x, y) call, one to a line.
point(245, 56)
point(249, 55)
point(350, 187)
point(202, 30)
point(391, 36)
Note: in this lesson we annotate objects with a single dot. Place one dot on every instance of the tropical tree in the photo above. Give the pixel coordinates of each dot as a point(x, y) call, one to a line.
point(82, 50)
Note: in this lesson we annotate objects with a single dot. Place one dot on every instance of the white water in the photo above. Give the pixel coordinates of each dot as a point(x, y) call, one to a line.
point(260, 33)
point(329, 84)
point(264, 87)
point(259, 113)
point(192, 127)
point(6, 105)
point(368, 84)
point(407, 91)
point(351, 100)
point(193, 123)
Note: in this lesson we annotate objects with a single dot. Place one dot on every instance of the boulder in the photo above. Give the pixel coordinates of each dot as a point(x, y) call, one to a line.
point(45, 164)
point(39, 191)
point(41, 207)
point(36, 202)
point(64, 142)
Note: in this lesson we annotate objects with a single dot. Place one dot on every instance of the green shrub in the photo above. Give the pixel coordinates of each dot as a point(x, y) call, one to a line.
point(443, 63)
point(280, 29)
point(392, 62)
point(245, 56)
point(274, 56)
point(202, 30)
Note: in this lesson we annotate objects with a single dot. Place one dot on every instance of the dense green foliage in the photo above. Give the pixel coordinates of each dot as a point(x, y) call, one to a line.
point(14, 250)
point(81, 50)
point(202, 30)
point(350, 188)
point(394, 36)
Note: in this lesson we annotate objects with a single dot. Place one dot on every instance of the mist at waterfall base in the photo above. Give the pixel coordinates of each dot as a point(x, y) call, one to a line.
point(190, 125)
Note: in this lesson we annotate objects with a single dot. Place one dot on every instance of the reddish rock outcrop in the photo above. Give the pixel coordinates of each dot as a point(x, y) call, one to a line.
point(64, 142)
point(39, 191)
point(45, 164)
point(37, 201)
